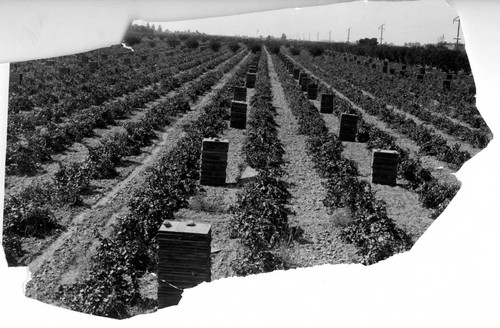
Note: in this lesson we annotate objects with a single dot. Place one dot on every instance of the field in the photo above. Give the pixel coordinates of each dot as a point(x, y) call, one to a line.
point(105, 147)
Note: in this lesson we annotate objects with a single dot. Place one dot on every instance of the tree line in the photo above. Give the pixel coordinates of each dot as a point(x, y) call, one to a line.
point(433, 55)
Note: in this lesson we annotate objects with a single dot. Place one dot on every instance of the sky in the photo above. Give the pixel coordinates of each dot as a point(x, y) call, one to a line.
point(409, 21)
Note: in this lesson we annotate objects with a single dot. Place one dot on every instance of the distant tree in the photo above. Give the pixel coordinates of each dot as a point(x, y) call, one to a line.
point(273, 46)
point(316, 51)
point(147, 26)
point(131, 39)
point(160, 30)
point(254, 46)
point(173, 42)
point(368, 42)
point(283, 37)
point(214, 45)
point(234, 46)
point(295, 51)
point(192, 43)
point(153, 27)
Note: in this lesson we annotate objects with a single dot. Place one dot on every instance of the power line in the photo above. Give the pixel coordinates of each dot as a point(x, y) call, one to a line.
point(457, 19)
point(381, 28)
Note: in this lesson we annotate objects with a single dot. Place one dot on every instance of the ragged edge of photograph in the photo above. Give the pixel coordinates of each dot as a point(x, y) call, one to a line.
point(324, 299)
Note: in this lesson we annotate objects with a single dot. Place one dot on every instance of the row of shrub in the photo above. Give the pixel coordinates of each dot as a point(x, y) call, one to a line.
point(414, 96)
point(372, 231)
point(24, 156)
point(260, 217)
point(42, 89)
point(32, 207)
point(111, 284)
point(430, 143)
point(432, 193)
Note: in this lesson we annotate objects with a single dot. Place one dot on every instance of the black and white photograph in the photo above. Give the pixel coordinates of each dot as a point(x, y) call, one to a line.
point(302, 163)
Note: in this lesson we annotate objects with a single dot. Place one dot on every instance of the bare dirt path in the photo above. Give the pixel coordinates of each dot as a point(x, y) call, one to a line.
point(69, 254)
point(320, 243)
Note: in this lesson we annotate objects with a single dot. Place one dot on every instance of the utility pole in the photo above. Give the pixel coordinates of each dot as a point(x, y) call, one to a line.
point(330, 37)
point(381, 28)
point(348, 34)
point(457, 19)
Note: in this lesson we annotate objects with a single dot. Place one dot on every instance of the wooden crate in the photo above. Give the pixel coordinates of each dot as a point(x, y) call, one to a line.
point(250, 81)
point(240, 93)
point(63, 71)
point(312, 91)
point(446, 84)
point(214, 161)
point(183, 259)
point(326, 103)
point(385, 166)
point(301, 77)
point(472, 89)
point(93, 66)
point(238, 119)
point(16, 78)
point(305, 83)
point(296, 73)
point(348, 127)
point(252, 69)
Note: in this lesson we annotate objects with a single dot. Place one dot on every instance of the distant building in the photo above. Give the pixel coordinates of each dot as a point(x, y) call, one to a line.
point(452, 46)
point(412, 44)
